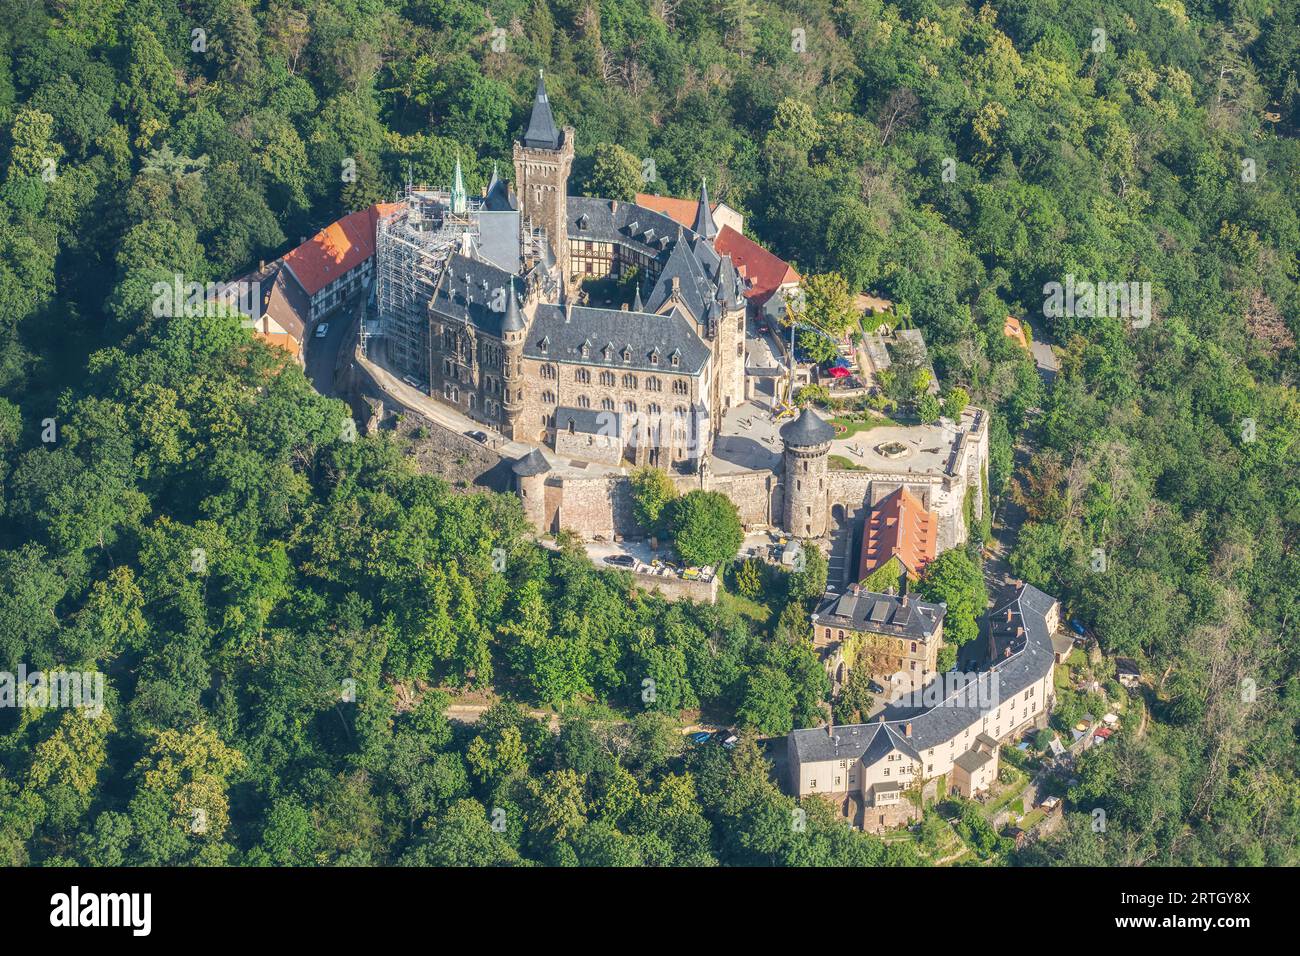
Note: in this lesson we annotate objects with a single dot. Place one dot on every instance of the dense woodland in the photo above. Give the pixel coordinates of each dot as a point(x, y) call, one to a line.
point(952, 156)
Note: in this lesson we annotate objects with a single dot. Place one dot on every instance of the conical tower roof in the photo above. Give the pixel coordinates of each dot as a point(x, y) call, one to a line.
point(806, 431)
point(541, 132)
point(704, 224)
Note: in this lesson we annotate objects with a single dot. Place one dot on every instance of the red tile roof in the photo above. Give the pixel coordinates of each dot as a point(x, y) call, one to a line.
point(336, 249)
point(899, 527)
point(765, 272)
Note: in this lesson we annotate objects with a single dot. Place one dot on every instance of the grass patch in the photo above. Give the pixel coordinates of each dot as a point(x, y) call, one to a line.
point(855, 424)
point(745, 606)
point(843, 464)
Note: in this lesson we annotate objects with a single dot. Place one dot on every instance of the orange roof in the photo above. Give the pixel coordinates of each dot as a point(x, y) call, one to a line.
point(338, 248)
point(680, 210)
point(1013, 330)
point(283, 340)
point(899, 527)
point(765, 271)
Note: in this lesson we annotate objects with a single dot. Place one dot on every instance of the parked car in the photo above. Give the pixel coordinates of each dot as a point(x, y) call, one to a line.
point(701, 737)
point(621, 560)
point(874, 687)
point(413, 382)
point(726, 737)
point(322, 330)
point(480, 437)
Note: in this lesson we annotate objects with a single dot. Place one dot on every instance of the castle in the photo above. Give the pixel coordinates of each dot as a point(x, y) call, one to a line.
point(606, 334)
point(480, 299)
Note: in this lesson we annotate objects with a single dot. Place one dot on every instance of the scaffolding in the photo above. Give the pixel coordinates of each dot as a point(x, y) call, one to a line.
point(412, 248)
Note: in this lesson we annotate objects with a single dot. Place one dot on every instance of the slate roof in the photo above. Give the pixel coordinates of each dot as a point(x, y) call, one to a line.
point(589, 421)
point(868, 742)
point(641, 333)
point(533, 463)
point(541, 132)
point(693, 285)
point(1025, 664)
point(704, 224)
point(896, 616)
point(972, 760)
point(608, 220)
point(807, 430)
point(472, 301)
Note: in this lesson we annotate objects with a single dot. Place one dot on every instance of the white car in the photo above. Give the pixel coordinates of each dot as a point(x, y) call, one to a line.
point(322, 330)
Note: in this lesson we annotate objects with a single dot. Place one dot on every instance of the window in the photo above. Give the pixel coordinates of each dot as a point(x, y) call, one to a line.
point(914, 647)
point(629, 407)
point(548, 397)
point(548, 372)
point(653, 384)
point(654, 409)
point(607, 379)
point(584, 401)
point(679, 387)
point(607, 404)
point(629, 381)
point(582, 376)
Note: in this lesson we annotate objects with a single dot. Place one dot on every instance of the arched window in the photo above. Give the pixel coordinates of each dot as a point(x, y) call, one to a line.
point(607, 404)
point(629, 407)
point(607, 379)
point(584, 401)
point(629, 381)
point(583, 376)
point(548, 397)
point(653, 384)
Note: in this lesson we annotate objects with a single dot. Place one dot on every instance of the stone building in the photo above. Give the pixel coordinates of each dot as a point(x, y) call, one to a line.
point(875, 772)
point(483, 301)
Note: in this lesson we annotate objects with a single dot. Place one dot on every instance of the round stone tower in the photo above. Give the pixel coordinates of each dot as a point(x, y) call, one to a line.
point(530, 480)
point(807, 447)
point(513, 329)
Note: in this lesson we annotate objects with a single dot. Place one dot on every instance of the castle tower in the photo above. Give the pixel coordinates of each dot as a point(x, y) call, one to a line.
point(542, 164)
point(530, 481)
point(513, 329)
point(807, 448)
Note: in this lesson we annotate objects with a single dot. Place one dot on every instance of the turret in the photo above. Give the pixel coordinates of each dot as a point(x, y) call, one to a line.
point(513, 329)
point(530, 481)
point(807, 450)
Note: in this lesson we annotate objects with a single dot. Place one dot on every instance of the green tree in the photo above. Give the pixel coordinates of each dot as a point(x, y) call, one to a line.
point(706, 529)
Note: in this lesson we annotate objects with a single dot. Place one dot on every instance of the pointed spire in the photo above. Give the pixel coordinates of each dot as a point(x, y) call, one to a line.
point(458, 198)
point(704, 224)
point(514, 319)
point(637, 305)
point(541, 132)
point(494, 182)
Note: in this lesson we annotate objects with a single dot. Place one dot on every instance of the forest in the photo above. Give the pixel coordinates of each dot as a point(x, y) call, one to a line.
point(281, 615)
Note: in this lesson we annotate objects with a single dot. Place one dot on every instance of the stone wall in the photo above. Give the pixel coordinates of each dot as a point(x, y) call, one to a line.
point(437, 449)
point(674, 588)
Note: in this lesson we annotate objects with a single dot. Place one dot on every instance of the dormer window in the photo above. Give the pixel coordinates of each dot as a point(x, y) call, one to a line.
point(649, 236)
point(632, 227)
point(586, 349)
point(627, 355)
point(544, 344)
point(675, 358)
point(583, 221)
point(654, 356)
point(607, 352)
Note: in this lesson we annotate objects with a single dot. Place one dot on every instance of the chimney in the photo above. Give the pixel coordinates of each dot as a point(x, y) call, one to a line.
point(261, 265)
point(907, 729)
point(624, 306)
point(830, 723)
point(1020, 632)
point(1008, 615)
